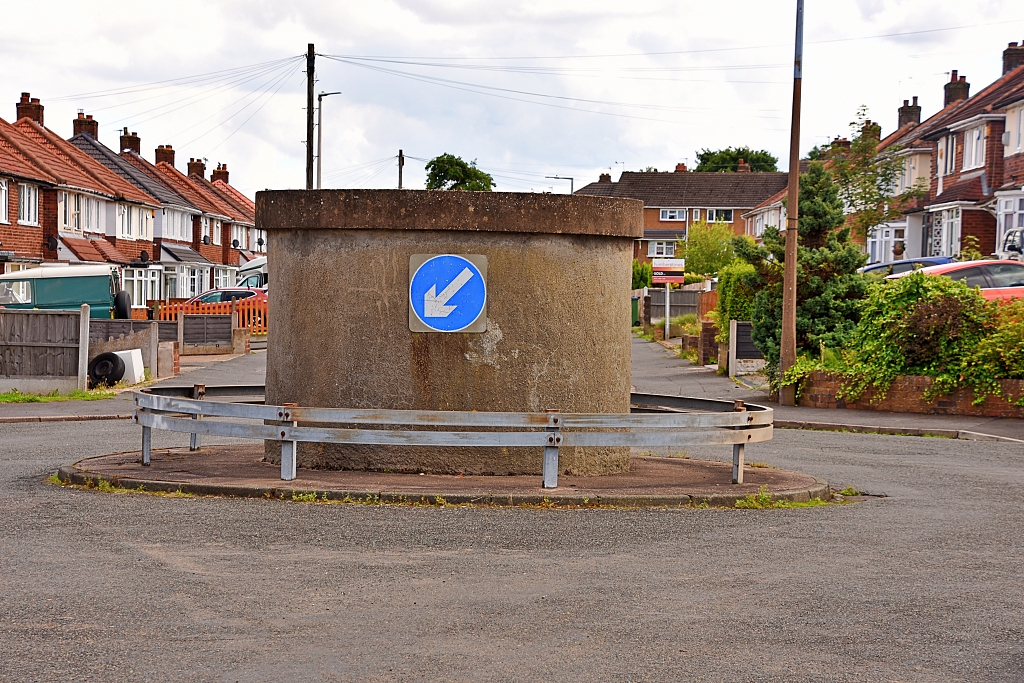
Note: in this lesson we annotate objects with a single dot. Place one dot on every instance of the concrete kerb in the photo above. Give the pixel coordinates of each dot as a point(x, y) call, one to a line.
point(961, 434)
point(71, 474)
point(62, 418)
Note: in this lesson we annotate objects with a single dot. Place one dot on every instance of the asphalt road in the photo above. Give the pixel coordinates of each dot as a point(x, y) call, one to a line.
point(924, 585)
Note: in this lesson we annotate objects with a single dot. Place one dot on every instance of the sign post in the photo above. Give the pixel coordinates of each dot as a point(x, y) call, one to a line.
point(667, 271)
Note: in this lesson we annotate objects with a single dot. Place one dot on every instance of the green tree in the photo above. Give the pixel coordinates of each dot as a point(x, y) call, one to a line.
point(727, 160)
point(449, 172)
point(708, 247)
point(867, 179)
point(829, 288)
point(642, 274)
point(817, 153)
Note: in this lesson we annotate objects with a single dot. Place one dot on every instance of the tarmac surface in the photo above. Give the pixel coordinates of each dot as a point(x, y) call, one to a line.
point(921, 585)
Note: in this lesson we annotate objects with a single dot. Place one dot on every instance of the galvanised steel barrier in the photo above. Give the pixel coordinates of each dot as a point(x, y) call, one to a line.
point(654, 421)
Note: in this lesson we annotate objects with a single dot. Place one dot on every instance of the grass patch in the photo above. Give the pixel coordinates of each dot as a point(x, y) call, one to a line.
point(639, 331)
point(105, 486)
point(762, 500)
point(849, 491)
point(15, 396)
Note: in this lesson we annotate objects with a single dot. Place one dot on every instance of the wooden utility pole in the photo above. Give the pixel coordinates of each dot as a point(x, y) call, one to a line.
point(787, 394)
point(401, 164)
point(310, 83)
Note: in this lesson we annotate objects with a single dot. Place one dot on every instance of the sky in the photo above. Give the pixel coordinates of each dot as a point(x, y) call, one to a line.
point(527, 89)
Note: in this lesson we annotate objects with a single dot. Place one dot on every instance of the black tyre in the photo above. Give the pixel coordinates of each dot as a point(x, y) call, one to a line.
point(123, 305)
point(106, 369)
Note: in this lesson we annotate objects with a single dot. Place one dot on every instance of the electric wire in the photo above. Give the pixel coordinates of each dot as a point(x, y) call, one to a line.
point(265, 103)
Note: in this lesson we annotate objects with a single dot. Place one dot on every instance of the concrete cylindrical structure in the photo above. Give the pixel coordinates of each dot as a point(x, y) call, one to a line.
point(558, 306)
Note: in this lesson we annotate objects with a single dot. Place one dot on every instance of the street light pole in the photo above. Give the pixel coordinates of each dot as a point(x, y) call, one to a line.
point(310, 82)
point(320, 132)
point(572, 181)
point(787, 355)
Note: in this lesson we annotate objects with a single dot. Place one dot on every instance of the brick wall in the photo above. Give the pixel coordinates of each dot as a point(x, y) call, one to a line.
point(982, 225)
point(707, 347)
point(132, 249)
point(904, 396)
point(48, 220)
point(994, 154)
point(24, 240)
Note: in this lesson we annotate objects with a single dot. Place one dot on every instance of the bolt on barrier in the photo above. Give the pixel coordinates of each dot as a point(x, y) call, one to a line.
point(654, 421)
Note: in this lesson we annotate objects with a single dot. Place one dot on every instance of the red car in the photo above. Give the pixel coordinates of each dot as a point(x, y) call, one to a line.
point(215, 296)
point(997, 279)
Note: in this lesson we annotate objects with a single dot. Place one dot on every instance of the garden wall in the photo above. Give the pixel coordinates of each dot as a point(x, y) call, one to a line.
point(904, 396)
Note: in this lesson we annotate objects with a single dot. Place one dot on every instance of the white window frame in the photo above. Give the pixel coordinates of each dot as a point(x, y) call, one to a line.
point(5, 202)
point(28, 204)
point(673, 215)
point(1020, 126)
point(216, 228)
point(974, 147)
point(661, 249)
point(712, 215)
point(695, 215)
point(947, 156)
point(206, 228)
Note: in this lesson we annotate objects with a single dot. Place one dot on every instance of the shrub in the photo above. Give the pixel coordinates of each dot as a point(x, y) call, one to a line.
point(735, 296)
point(642, 274)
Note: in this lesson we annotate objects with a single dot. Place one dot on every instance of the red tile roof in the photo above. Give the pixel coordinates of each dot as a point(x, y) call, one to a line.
point(75, 168)
point(225, 207)
point(109, 251)
point(84, 249)
point(185, 186)
point(21, 157)
point(969, 190)
point(691, 189)
point(247, 206)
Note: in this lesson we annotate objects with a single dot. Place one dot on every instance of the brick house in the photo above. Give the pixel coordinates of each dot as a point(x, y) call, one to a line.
point(674, 201)
point(68, 207)
point(970, 157)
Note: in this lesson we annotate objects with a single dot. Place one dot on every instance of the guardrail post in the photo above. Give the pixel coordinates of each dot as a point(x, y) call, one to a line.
point(147, 445)
point(198, 394)
point(289, 449)
point(737, 448)
point(551, 450)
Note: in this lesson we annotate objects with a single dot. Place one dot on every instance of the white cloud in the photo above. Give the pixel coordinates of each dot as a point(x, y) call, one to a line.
point(732, 88)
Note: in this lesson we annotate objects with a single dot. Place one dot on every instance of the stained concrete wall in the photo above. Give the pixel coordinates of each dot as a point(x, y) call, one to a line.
point(558, 315)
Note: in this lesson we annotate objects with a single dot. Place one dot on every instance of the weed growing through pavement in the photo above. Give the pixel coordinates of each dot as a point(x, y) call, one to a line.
point(849, 491)
point(105, 486)
point(764, 465)
point(762, 500)
point(15, 396)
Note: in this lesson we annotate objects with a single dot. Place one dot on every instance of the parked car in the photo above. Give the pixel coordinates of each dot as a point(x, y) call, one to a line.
point(67, 288)
point(906, 265)
point(997, 279)
point(215, 296)
point(1012, 247)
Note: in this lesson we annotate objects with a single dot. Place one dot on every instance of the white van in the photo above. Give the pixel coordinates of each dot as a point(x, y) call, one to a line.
point(1012, 246)
point(253, 274)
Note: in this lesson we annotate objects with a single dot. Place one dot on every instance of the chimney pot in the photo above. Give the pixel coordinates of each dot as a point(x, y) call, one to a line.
point(131, 142)
point(957, 89)
point(85, 124)
point(165, 154)
point(681, 168)
point(221, 173)
point(604, 178)
point(1013, 56)
point(30, 108)
point(915, 100)
point(742, 166)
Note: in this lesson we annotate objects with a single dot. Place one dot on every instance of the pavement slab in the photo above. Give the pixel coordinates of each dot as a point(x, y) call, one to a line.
point(651, 481)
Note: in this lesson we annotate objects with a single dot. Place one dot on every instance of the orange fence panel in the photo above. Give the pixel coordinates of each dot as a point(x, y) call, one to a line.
point(252, 312)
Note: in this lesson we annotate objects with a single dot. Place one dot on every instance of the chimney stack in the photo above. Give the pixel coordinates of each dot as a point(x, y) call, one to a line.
point(1013, 57)
point(30, 108)
point(86, 124)
point(909, 113)
point(196, 167)
point(681, 168)
point(220, 173)
point(131, 142)
point(604, 178)
point(165, 153)
point(957, 89)
point(742, 167)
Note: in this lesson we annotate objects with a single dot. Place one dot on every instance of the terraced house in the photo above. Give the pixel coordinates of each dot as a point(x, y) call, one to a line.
point(172, 235)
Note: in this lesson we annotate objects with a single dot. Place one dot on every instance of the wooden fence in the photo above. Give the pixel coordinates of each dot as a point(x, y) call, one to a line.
point(44, 347)
point(252, 312)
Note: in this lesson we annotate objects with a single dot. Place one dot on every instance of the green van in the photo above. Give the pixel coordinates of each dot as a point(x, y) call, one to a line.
point(67, 288)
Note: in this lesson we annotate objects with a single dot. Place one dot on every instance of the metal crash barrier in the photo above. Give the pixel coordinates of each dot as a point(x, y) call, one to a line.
point(654, 421)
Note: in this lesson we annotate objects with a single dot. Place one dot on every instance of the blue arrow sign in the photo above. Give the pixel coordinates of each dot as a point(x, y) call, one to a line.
point(447, 293)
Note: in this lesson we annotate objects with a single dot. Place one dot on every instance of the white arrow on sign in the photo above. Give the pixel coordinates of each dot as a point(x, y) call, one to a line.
point(434, 304)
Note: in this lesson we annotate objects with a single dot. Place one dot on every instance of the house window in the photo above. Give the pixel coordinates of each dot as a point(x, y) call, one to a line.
point(5, 199)
point(947, 155)
point(696, 215)
point(28, 204)
point(719, 215)
point(662, 249)
point(238, 233)
point(974, 147)
point(945, 237)
point(259, 242)
point(673, 214)
point(206, 230)
point(90, 214)
point(216, 232)
point(64, 208)
point(1020, 126)
point(76, 211)
point(223, 277)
